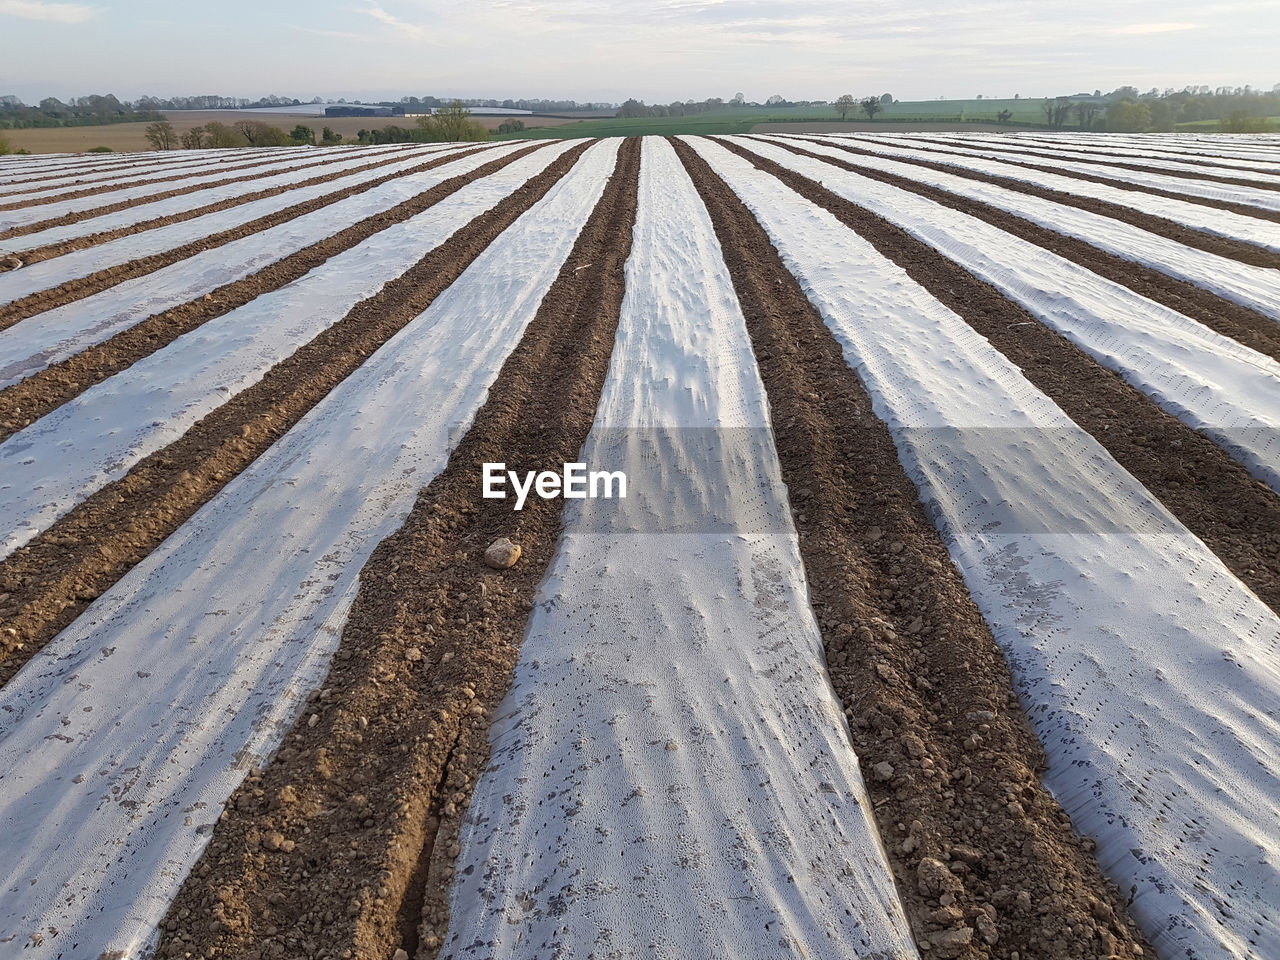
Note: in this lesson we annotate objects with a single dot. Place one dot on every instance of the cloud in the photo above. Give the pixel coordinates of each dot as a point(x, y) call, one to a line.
point(372, 9)
point(1142, 29)
point(332, 34)
point(54, 12)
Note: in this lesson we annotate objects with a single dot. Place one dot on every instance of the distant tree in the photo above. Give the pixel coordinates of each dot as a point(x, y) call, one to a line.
point(1004, 116)
point(220, 135)
point(1085, 111)
point(844, 103)
point(161, 135)
point(194, 139)
point(738, 100)
point(327, 136)
point(634, 108)
point(1128, 116)
point(1056, 111)
point(886, 98)
point(1123, 93)
point(1162, 116)
point(451, 124)
point(776, 100)
point(511, 126)
point(54, 107)
point(871, 106)
point(1241, 121)
point(303, 134)
point(390, 134)
point(259, 134)
point(96, 150)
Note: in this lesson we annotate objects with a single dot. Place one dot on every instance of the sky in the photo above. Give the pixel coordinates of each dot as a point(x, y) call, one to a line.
point(609, 50)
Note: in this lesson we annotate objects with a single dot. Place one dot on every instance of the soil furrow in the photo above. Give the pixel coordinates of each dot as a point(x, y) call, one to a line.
point(14, 201)
point(368, 799)
point(1232, 320)
point(1223, 246)
point(1214, 496)
point(82, 287)
point(1243, 209)
point(1120, 162)
point(37, 254)
point(925, 687)
point(30, 399)
point(48, 583)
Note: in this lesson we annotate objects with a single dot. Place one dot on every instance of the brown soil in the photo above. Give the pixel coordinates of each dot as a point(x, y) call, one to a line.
point(57, 250)
point(925, 687)
point(16, 201)
point(1244, 209)
point(1120, 161)
point(1237, 515)
point(1223, 246)
point(48, 583)
point(368, 801)
point(1229, 319)
point(96, 282)
point(28, 400)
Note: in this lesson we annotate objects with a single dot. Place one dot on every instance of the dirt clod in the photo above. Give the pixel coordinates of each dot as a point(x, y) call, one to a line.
point(502, 554)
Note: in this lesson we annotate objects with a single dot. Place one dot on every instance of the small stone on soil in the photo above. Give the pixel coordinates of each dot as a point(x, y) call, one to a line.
point(502, 554)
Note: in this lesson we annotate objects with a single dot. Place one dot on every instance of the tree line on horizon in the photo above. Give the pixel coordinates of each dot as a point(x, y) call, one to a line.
point(450, 124)
point(1126, 110)
point(1236, 109)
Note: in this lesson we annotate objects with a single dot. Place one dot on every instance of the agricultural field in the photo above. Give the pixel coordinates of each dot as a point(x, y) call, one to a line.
point(940, 617)
point(133, 136)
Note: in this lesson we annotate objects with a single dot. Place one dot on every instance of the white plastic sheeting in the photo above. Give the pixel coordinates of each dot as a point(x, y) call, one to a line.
point(55, 463)
point(72, 180)
point(1258, 197)
point(671, 773)
point(1250, 150)
point(19, 169)
point(89, 260)
point(1214, 384)
point(247, 167)
point(1214, 147)
point(54, 335)
point(121, 740)
point(1043, 154)
point(143, 212)
point(1149, 672)
point(61, 208)
point(1197, 216)
point(1255, 287)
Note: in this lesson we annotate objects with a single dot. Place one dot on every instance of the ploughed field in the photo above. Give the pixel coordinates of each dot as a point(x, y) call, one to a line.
point(939, 618)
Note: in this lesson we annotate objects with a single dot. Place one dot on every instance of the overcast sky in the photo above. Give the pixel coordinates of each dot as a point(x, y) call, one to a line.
point(614, 49)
